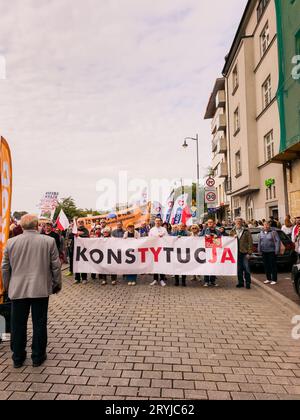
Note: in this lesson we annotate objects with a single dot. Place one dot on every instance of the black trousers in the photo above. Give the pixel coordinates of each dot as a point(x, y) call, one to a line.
point(71, 256)
point(183, 279)
point(210, 279)
point(159, 277)
point(19, 318)
point(270, 263)
point(81, 276)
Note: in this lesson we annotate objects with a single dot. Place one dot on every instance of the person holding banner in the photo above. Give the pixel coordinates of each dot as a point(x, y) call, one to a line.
point(195, 233)
point(131, 233)
point(245, 249)
point(181, 232)
point(144, 230)
point(119, 232)
point(210, 233)
point(82, 233)
point(31, 272)
point(158, 232)
point(106, 233)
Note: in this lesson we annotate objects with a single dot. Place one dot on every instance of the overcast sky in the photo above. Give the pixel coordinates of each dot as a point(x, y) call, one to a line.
point(98, 86)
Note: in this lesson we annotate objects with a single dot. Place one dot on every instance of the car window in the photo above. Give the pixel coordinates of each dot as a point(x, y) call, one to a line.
point(255, 237)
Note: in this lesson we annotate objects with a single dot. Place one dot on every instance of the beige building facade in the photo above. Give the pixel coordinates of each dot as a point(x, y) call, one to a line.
point(216, 112)
point(255, 186)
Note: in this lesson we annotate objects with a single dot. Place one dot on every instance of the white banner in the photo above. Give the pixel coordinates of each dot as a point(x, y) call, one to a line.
point(168, 255)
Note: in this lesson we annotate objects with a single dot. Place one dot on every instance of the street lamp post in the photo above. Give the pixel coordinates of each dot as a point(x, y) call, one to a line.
point(185, 145)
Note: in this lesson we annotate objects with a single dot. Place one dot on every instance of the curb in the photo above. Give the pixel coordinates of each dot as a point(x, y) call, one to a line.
point(289, 307)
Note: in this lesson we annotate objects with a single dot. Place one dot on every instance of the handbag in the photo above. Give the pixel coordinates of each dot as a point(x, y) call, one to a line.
point(282, 247)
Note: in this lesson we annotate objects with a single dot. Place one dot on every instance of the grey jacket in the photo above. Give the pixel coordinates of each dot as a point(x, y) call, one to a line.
point(31, 267)
point(269, 242)
point(118, 233)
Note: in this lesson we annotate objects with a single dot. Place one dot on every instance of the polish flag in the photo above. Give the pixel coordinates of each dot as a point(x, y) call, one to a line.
point(186, 216)
point(75, 228)
point(62, 221)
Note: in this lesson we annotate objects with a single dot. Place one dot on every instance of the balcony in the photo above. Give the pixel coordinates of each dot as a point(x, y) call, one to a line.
point(219, 143)
point(220, 99)
point(222, 145)
point(223, 170)
point(218, 123)
point(214, 145)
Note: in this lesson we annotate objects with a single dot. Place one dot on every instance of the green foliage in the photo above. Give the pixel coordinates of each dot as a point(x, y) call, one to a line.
point(19, 214)
point(68, 205)
point(269, 182)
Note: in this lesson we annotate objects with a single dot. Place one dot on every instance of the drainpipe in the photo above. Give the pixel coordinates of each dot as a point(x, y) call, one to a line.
point(229, 144)
point(285, 189)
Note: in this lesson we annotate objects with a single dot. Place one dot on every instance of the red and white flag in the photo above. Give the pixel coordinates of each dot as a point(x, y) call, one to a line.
point(75, 228)
point(62, 221)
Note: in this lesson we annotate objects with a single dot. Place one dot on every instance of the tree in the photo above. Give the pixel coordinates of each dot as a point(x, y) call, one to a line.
point(69, 207)
point(19, 214)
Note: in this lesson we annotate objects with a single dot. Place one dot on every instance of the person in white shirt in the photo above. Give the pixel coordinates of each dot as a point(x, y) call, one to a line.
point(296, 236)
point(287, 228)
point(158, 232)
point(296, 229)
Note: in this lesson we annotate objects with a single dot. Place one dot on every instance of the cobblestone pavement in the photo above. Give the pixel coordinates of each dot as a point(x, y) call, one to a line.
point(171, 343)
point(285, 286)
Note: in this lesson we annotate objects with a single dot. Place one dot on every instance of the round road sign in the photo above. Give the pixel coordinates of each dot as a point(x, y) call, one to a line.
point(210, 182)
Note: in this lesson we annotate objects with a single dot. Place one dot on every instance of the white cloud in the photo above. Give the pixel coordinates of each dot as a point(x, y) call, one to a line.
point(107, 84)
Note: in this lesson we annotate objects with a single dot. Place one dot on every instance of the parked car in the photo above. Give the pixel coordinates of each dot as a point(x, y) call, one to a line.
point(286, 260)
point(296, 278)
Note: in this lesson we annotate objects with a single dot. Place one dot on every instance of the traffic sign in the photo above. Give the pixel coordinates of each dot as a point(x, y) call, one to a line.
point(210, 197)
point(210, 182)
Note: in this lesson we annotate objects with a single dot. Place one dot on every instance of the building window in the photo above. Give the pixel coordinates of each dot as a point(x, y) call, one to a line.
point(269, 146)
point(261, 8)
point(267, 92)
point(265, 39)
point(236, 119)
point(235, 78)
point(250, 209)
point(297, 37)
point(238, 167)
point(271, 193)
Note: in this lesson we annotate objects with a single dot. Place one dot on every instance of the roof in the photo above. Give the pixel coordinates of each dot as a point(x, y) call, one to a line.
point(241, 32)
point(211, 107)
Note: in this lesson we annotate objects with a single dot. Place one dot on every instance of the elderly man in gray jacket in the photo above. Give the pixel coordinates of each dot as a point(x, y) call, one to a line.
point(31, 272)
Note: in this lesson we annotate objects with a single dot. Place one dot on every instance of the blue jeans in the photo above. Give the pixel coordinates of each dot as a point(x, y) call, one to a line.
point(243, 270)
point(131, 278)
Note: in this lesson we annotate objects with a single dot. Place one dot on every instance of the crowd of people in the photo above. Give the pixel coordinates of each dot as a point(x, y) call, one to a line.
point(31, 266)
point(269, 244)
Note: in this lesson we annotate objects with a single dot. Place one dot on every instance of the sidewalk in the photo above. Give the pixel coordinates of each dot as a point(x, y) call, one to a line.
point(161, 343)
point(284, 287)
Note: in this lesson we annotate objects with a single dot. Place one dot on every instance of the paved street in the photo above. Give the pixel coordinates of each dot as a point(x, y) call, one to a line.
point(172, 343)
point(285, 286)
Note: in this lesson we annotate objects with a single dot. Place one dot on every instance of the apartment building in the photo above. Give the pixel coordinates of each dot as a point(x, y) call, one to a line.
point(216, 111)
point(255, 184)
point(288, 96)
